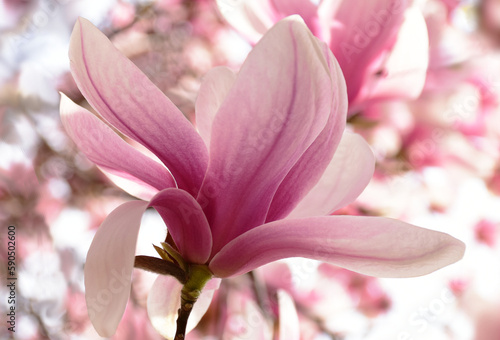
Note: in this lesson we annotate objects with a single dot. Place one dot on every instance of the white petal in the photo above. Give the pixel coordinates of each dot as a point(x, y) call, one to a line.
point(109, 265)
point(164, 300)
point(289, 320)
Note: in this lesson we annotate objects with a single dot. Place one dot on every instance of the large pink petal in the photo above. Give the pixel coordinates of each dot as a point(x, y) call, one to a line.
point(109, 265)
point(375, 246)
point(359, 32)
point(280, 102)
point(213, 90)
point(186, 223)
point(164, 300)
point(111, 153)
point(310, 167)
point(343, 181)
point(128, 100)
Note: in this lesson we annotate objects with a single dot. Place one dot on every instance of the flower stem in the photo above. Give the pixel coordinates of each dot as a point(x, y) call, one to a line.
point(182, 319)
point(198, 276)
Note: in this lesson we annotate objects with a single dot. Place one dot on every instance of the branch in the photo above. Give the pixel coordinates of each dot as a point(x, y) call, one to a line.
point(159, 266)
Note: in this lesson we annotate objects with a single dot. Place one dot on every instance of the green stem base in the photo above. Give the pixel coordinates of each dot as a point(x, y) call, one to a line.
point(198, 276)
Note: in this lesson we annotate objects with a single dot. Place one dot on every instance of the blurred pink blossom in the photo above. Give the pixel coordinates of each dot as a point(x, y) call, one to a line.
point(365, 291)
point(487, 232)
point(489, 14)
point(135, 325)
point(487, 325)
point(381, 45)
point(76, 311)
point(122, 14)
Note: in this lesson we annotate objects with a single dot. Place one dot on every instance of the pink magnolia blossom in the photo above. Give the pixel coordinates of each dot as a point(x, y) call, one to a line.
point(381, 45)
point(271, 152)
point(486, 232)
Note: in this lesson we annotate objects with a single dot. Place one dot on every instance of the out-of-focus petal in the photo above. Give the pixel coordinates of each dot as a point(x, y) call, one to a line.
point(359, 33)
point(245, 319)
point(306, 9)
point(375, 246)
point(109, 265)
point(289, 325)
point(405, 69)
point(261, 131)
point(128, 100)
point(213, 90)
point(251, 18)
point(164, 300)
point(107, 150)
point(343, 181)
point(310, 167)
point(186, 223)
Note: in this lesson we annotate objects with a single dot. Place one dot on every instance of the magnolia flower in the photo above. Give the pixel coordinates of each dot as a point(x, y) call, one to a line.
point(270, 152)
point(381, 45)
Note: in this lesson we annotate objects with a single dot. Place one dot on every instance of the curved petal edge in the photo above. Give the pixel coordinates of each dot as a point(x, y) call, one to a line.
point(374, 246)
point(109, 265)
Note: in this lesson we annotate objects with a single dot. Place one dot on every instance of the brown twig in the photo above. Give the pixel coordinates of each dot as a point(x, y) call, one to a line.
point(159, 266)
point(182, 319)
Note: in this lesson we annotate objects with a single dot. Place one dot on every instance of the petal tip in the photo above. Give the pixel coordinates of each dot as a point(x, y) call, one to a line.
point(295, 18)
point(81, 21)
point(75, 43)
point(66, 106)
point(64, 98)
point(460, 248)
